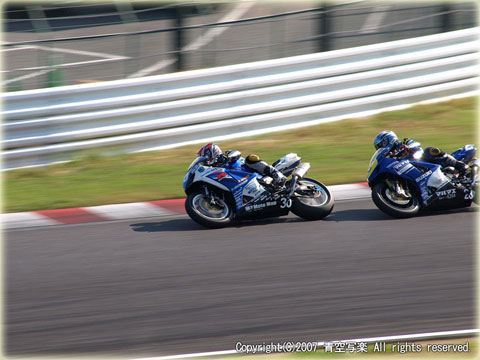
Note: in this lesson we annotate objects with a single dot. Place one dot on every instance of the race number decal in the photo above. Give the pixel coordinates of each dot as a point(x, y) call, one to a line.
point(469, 194)
point(285, 203)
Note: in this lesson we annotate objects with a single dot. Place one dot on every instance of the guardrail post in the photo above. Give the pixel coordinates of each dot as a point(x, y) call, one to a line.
point(447, 25)
point(55, 75)
point(179, 33)
point(324, 29)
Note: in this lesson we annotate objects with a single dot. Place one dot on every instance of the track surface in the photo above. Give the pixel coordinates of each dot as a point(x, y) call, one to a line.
point(153, 287)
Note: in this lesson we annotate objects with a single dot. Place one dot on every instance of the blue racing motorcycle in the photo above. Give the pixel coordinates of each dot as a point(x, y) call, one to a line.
point(216, 196)
point(402, 187)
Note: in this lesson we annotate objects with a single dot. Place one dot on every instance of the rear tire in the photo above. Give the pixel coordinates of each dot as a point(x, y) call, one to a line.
point(213, 216)
point(388, 206)
point(477, 195)
point(313, 207)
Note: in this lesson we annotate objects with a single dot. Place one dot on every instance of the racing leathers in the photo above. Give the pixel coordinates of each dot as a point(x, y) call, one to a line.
point(408, 147)
point(253, 163)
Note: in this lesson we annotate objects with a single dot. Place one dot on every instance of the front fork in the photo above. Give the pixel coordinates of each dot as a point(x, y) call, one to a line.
point(398, 188)
point(210, 195)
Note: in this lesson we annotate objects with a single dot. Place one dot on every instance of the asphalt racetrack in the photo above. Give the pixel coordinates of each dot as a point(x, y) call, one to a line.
point(154, 287)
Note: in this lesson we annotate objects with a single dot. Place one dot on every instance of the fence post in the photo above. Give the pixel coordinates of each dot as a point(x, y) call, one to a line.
point(324, 29)
point(446, 18)
point(179, 33)
point(132, 44)
point(55, 75)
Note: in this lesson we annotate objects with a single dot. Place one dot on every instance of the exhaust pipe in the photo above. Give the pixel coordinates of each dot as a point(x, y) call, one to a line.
point(302, 170)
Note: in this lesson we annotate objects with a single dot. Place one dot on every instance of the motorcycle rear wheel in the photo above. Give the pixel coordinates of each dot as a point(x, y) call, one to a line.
point(213, 215)
point(314, 207)
point(401, 209)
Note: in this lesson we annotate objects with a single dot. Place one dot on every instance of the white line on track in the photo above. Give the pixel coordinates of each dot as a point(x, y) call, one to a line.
point(23, 77)
point(18, 48)
point(66, 65)
point(66, 51)
point(431, 335)
point(82, 52)
point(208, 36)
point(374, 19)
point(44, 69)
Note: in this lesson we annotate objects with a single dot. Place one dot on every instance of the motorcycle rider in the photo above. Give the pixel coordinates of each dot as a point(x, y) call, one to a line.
point(252, 162)
point(407, 148)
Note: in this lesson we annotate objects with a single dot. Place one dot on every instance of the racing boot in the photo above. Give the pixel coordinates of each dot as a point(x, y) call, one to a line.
point(460, 166)
point(279, 179)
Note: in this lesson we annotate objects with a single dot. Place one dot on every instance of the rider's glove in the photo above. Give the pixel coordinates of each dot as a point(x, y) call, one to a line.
point(221, 159)
point(461, 167)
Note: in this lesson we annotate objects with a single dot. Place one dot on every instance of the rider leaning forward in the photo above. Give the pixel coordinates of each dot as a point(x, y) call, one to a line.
point(215, 157)
point(406, 148)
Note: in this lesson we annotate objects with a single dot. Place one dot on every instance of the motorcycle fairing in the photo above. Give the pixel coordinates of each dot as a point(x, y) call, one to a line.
point(466, 153)
point(406, 169)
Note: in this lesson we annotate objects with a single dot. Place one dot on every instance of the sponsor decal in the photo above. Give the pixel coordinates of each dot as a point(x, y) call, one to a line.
point(201, 169)
point(237, 195)
point(446, 194)
point(402, 167)
point(261, 206)
point(255, 207)
point(223, 175)
point(420, 178)
point(469, 194)
point(240, 184)
point(253, 188)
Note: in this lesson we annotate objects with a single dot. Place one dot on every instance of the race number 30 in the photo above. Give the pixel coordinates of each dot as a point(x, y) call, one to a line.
point(285, 203)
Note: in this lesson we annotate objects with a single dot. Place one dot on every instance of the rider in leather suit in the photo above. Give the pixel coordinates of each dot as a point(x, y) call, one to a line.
point(407, 148)
point(215, 157)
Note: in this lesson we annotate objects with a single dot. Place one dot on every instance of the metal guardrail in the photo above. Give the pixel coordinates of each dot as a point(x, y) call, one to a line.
point(50, 125)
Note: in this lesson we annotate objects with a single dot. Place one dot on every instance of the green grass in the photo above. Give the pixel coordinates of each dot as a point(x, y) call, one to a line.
point(338, 152)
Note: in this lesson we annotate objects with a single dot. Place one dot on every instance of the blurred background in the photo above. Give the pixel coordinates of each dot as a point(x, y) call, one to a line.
point(160, 285)
point(73, 42)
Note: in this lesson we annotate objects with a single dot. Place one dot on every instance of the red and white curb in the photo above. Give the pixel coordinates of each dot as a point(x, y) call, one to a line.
point(157, 208)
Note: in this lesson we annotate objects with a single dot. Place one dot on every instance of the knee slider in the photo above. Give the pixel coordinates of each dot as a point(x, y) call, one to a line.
point(433, 151)
point(434, 155)
point(252, 159)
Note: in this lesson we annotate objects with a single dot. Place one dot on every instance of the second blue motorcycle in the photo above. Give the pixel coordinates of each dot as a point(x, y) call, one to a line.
point(402, 187)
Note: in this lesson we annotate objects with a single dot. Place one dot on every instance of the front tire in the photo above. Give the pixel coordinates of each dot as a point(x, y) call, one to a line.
point(477, 195)
point(314, 207)
point(201, 210)
point(382, 197)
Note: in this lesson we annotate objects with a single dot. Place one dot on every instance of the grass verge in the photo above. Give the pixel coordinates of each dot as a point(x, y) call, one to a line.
point(339, 153)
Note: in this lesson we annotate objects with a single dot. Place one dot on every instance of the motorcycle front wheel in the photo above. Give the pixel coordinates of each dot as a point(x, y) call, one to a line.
point(312, 200)
point(213, 214)
point(389, 203)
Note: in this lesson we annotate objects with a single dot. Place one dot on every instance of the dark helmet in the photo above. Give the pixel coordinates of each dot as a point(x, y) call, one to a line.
point(386, 138)
point(212, 152)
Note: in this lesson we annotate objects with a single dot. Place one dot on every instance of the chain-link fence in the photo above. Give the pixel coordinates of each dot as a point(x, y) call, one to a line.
point(50, 46)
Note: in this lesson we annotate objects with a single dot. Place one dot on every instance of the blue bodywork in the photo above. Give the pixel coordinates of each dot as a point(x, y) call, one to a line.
point(405, 169)
point(234, 176)
point(466, 153)
point(409, 169)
